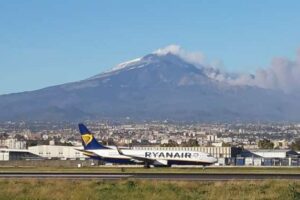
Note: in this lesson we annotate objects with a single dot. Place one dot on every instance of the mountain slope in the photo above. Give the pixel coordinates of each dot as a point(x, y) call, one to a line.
point(154, 87)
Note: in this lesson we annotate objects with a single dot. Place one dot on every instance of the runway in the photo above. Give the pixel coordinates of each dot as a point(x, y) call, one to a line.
point(149, 176)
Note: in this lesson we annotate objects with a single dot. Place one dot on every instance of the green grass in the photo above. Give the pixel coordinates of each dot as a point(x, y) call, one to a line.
point(227, 170)
point(34, 189)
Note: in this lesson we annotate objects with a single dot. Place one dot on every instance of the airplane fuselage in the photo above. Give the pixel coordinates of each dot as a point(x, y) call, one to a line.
point(155, 157)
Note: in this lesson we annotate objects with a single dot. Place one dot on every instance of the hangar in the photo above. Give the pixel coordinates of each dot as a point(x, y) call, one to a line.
point(57, 152)
point(17, 154)
point(268, 157)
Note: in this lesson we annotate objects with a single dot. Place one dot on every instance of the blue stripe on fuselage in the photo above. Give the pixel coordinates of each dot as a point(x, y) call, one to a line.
point(183, 162)
point(113, 160)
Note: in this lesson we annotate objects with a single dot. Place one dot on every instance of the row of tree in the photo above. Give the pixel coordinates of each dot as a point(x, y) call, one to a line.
point(189, 143)
point(267, 144)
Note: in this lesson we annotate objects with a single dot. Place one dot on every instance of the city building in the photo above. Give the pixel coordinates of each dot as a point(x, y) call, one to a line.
point(13, 143)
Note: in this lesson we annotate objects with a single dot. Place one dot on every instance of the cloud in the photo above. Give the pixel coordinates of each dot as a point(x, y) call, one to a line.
point(282, 74)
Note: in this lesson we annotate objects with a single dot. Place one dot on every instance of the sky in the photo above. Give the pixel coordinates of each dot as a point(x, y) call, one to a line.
point(50, 42)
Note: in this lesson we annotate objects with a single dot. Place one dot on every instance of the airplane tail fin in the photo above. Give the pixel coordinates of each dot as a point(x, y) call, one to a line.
point(88, 140)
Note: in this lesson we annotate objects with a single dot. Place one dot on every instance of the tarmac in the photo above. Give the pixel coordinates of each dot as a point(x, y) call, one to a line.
point(148, 176)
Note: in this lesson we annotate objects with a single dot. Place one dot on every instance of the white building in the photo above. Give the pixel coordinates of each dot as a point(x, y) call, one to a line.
point(227, 139)
point(12, 143)
point(217, 144)
point(164, 141)
point(16, 154)
point(282, 144)
point(57, 152)
point(270, 153)
point(4, 155)
point(211, 138)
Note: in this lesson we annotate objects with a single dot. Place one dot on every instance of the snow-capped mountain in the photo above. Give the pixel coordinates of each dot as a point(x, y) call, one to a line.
point(157, 86)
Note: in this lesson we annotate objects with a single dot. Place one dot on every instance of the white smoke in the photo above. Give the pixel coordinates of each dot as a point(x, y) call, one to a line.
point(283, 74)
point(196, 58)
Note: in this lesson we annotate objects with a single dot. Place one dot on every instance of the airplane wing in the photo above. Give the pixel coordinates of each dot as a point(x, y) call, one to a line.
point(89, 153)
point(141, 159)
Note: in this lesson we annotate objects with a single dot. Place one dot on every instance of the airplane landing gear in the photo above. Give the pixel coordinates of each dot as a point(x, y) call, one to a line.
point(147, 165)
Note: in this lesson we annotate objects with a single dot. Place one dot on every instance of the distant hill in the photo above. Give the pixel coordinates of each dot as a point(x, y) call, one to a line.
point(154, 87)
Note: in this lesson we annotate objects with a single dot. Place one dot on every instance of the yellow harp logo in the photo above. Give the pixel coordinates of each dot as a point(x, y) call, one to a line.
point(87, 138)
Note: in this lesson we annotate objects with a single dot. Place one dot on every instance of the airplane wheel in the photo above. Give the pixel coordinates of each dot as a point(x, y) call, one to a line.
point(146, 166)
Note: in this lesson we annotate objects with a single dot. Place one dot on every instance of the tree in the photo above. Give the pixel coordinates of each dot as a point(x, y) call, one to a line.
point(19, 137)
point(265, 144)
point(296, 145)
point(190, 143)
point(193, 143)
point(170, 143)
point(224, 144)
point(109, 141)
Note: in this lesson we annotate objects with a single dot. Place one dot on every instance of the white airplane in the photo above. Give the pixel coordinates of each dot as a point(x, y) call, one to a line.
point(96, 150)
